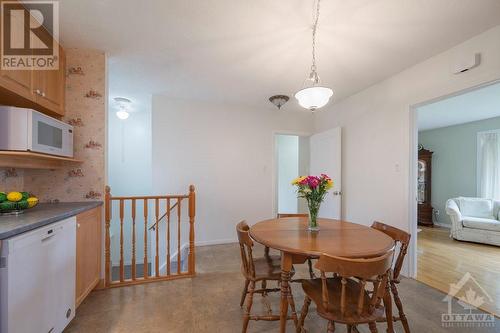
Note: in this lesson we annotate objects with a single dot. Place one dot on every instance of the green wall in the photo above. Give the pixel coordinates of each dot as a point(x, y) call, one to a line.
point(454, 161)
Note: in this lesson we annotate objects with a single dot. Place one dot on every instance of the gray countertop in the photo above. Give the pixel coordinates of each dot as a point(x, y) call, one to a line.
point(42, 215)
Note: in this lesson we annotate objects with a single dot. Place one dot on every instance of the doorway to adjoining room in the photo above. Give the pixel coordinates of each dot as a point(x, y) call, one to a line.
point(458, 193)
point(292, 161)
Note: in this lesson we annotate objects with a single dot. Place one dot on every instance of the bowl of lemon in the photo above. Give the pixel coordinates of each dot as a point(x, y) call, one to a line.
point(14, 203)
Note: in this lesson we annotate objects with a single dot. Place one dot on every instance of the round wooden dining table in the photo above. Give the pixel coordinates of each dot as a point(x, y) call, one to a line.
point(335, 237)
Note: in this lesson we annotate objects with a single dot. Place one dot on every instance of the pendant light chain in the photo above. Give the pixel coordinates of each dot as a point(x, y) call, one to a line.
point(314, 96)
point(314, 74)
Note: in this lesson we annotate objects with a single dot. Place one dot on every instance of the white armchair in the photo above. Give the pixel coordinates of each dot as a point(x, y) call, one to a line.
point(474, 219)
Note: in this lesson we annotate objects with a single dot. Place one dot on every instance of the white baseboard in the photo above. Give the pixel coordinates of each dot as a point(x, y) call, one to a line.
point(443, 225)
point(217, 242)
point(173, 257)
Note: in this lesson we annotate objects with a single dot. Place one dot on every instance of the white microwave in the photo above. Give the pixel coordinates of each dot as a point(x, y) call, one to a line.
point(28, 130)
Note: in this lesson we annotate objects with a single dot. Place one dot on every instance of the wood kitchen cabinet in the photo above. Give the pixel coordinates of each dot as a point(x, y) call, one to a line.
point(48, 86)
point(88, 252)
point(42, 90)
point(18, 82)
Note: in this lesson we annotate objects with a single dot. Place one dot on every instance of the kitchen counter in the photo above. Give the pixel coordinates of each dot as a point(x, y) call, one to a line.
point(42, 215)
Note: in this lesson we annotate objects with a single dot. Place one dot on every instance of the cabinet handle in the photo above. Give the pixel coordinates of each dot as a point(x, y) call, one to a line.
point(37, 91)
point(78, 225)
point(43, 94)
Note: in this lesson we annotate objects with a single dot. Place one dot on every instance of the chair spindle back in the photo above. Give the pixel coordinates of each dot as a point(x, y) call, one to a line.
point(246, 246)
point(362, 270)
point(402, 238)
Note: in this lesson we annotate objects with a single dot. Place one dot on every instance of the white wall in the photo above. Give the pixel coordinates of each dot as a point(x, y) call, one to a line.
point(288, 169)
point(129, 154)
point(227, 152)
point(129, 173)
point(376, 129)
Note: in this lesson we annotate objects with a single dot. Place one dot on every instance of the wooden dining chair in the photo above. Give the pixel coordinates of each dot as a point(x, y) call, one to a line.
point(254, 270)
point(402, 240)
point(309, 261)
point(345, 298)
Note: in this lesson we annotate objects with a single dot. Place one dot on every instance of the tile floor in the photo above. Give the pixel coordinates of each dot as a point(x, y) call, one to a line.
point(210, 303)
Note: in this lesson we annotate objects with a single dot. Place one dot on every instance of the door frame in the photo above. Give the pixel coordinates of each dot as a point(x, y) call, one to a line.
point(413, 172)
point(274, 164)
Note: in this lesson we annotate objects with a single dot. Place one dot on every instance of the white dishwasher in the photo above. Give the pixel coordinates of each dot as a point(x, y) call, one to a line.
point(37, 279)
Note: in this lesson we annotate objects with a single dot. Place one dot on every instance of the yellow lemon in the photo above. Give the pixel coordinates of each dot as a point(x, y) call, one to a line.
point(14, 196)
point(32, 202)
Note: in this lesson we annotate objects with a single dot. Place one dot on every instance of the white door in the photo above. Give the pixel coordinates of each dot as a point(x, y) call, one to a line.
point(325, 158)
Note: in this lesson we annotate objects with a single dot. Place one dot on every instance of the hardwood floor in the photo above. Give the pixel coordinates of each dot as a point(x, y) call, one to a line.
point(443, 260)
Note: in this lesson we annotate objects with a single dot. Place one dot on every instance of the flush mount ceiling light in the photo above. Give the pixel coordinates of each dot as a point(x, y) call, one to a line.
point(279, 100)
point(123, 106)
point(314, 96)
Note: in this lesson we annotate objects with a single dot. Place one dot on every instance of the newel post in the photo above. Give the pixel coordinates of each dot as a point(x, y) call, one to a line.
point(107, 253)
point(192, 213)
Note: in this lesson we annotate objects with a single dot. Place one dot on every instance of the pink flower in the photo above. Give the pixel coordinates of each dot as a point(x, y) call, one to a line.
point(313, 181)
point(304, 181)
point(325, 176)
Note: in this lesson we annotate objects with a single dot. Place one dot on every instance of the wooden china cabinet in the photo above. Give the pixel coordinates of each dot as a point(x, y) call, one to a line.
point(425, 210)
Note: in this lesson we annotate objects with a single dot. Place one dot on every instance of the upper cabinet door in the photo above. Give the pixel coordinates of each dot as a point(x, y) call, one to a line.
point(42, 90)
point(17, 81)
point(49, 85)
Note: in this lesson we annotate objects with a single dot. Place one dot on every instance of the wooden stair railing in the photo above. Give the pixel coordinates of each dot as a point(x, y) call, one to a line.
point(157, 200)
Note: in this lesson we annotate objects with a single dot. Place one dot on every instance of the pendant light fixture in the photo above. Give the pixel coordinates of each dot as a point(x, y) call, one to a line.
point(313, 96)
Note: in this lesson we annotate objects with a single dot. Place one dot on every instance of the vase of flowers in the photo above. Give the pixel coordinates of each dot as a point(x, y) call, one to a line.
point(313, 189)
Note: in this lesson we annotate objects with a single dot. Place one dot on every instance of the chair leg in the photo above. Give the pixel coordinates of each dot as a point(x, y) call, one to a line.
point(303, 314)
point(399, 305)
point(264, 298)
point(246, 317)
point(331, 327)
point(349, 328)
point(292, 306)
point(311, 271)
point(388, 309)
point(244, 293)
point(373, 327)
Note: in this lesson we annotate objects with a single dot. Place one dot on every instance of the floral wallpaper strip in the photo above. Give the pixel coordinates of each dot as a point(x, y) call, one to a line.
point(75, 71)
point(75, 173)
point(11, 180)
point(11, 173)
point(86, 76)
point(76, 122)
point(93, 94)
point(93, 145)
point(93, 195)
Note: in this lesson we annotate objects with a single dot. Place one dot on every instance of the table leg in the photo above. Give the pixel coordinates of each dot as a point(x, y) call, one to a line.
point(286, 267)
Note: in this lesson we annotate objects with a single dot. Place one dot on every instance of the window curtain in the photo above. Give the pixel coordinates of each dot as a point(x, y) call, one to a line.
point(489, 165)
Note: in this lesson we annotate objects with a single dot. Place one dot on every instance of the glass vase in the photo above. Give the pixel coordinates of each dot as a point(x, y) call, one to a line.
point(313, 216)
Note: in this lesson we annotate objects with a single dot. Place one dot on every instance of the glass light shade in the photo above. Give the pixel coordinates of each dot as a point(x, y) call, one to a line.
point(122, 114)
point(313, 98)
